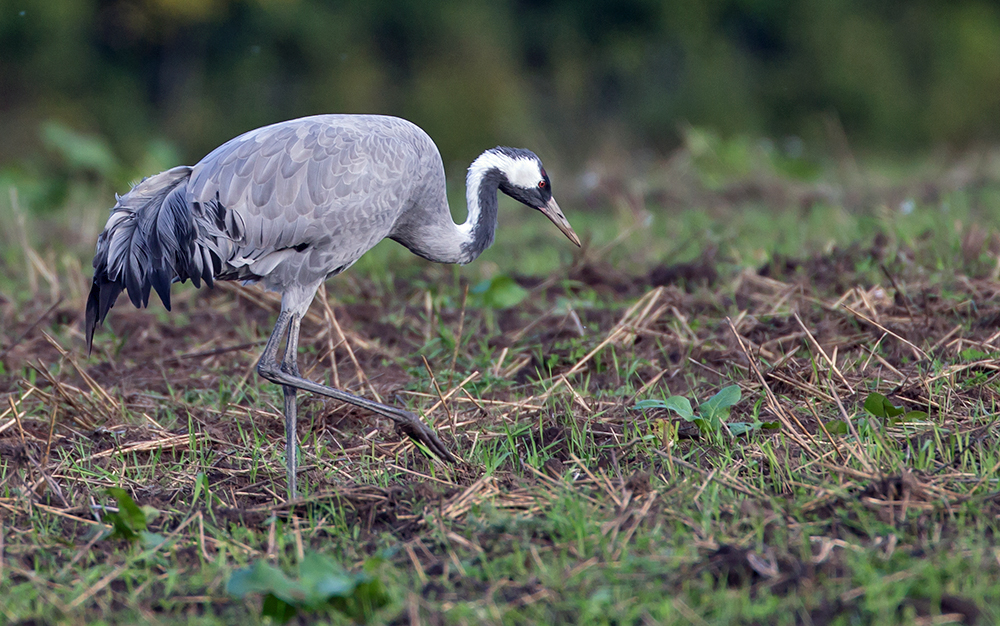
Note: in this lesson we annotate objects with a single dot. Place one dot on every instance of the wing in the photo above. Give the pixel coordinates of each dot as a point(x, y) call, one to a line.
point(333, 183)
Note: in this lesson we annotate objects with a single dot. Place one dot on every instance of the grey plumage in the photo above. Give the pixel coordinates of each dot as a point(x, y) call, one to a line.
point(293, 203)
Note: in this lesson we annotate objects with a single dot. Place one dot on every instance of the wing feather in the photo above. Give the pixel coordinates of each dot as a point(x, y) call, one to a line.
point(265, 167)
point(289, 166)
point(333, 182)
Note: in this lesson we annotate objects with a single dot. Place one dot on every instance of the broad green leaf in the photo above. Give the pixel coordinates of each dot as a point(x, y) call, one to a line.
point(972, 354)
point(263, 577)
point(713, 422)
point(727, 396)
point(499, 292)
point(150, 540)
point(837, 427)
point(717, 407)
point(120, 528)
point(369, 595)
point(322, 583)
point(129, 523)
point(149, 513)
point(335, 586)
point(642, 405)
point(681, 406)
point(277, 609)
point(909, 416)
point(741, 428)
point(875, 404)
point(322, 578)
point(880, 406)
point(128, 509)
point(79, 150)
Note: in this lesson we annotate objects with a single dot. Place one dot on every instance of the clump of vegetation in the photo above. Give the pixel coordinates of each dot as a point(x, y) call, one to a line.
point(130, 521)
point(322, 584)
point(805, 433)
point(712, 413)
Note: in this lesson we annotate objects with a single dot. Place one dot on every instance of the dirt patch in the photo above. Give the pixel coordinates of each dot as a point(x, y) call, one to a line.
point(165, 399)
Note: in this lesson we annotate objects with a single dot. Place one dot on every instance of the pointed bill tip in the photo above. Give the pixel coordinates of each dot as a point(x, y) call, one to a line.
point(551, 210)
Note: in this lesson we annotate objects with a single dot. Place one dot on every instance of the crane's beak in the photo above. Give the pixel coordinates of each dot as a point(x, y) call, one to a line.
point(551, 211)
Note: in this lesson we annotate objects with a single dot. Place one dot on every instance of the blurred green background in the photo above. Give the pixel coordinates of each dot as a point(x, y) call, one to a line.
point(114, 89)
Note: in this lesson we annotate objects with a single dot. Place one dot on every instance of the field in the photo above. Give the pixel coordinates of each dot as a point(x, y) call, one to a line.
point(836, 460)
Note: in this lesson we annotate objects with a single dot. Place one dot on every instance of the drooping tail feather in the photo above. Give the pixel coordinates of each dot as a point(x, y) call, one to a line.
point(151, 240)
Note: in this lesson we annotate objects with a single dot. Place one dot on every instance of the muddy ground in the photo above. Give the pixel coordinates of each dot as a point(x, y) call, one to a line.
point(806, 339)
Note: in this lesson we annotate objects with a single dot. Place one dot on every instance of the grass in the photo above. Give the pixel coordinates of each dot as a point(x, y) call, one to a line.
point(572, 506)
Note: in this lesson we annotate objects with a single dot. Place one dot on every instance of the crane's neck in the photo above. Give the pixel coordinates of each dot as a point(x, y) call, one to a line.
point(432, 234)
point(481, 185)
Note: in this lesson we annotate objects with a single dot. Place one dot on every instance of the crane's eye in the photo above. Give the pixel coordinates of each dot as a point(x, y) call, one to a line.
point(541, 184)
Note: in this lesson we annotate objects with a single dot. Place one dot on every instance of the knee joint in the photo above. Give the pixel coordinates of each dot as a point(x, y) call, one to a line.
point(266, 370)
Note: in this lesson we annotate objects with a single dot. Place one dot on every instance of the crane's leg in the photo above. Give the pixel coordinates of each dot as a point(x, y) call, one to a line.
point(291, 441)
point(290, 365)
point(287, 375)
point(282, 330)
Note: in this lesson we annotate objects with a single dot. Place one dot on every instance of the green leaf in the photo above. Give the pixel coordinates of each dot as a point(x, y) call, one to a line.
point(910, 416)
point(322, 583)
point(128, 509)
point(681, 406)
point(368, 596)
point(837, 427)
point(972, 354)
point(200, 482)
point(717, 407)
point(741, 428)
point(149, 513)
point(770, 425)
point(322, 578)
point(119, 527)
point(80, 151)
point(875, 404)
point(499, 292)
point(727, 396)
point(642, 405)
point(263, 577)
point(277, 609)
point(677, 404)
point(880, 406)
point(150, 540)
point(129, 523)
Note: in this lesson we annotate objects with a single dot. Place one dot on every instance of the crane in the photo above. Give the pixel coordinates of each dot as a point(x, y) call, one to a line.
point(292, 204)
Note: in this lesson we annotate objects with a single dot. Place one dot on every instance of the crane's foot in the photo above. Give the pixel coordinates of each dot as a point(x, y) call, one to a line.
point(411, 426)
point(406, 422)
point(287, 375)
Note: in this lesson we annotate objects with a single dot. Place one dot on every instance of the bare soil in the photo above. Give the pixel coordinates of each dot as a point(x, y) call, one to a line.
point(811, 337)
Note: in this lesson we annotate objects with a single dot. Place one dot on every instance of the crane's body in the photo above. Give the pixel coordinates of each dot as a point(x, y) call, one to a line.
point(289, 205)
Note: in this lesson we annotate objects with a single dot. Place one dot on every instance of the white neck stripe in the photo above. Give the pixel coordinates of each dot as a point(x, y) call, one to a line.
point(521, 171)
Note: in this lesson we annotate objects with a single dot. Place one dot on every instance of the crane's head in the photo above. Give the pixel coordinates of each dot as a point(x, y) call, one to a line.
point(523, 178)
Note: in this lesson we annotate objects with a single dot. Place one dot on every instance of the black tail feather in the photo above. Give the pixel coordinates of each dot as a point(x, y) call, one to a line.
point(155, 237)
point(147, 244)
point(102, 297)
point(93, 308)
